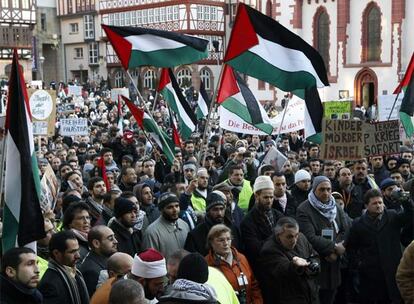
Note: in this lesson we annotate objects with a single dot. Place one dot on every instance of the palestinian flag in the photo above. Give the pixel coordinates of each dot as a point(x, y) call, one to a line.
point(22, 215)
point(102, 172)
point(313, 113)
point(203, 102)
point(407, 104)
point(172, 93)
point(261, 47)
point(147, 124)
point(137, 46)
point(175, 135)
point(234, 96)
point(120, 117)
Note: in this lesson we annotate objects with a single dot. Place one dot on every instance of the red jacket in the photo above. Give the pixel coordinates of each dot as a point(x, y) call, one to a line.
point(232, 273)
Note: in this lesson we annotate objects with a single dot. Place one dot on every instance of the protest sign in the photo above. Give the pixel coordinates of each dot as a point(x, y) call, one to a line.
point(74, 90)
point(337, 109)
point(74, 126)
point(293, 121)
point(43, 109)
point(385, 103)
point(119, 91)
point(275, 158)
point(49, 189)
point(356, 139)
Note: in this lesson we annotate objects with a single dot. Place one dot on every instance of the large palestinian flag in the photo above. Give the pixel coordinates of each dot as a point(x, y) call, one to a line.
point(261, 47)
point(22, 217)
point(172, 93)
point(143, 46)
point(147, 124)
point(203, 102)
point(407, 104)
point(234, 96)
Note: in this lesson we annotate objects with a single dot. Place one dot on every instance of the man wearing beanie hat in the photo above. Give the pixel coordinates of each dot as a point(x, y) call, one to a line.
point(302, 186)
point(215, 210)
point(168, 233)
point(126, 213)
point(324, 224)
point(387, 186)
point(258, 224)
point(149, 269)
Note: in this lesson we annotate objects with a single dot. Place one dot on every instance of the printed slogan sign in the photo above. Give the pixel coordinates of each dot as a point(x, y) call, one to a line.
point(74, 126)
point(355, 139)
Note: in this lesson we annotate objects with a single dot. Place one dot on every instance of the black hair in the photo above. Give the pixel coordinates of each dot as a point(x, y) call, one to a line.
point(70, 212)
point(105, 150)
point(93, 181)
point(371, 194)
point(58, 241)
point(11, 258)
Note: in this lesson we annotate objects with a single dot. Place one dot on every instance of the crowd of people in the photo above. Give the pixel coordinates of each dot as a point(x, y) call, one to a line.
point(218, 225)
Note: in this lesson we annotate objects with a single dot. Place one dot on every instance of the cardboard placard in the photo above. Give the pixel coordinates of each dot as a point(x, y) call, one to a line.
point(74, 126)
point(356, 139)
point(337, 109)
point(385, 103)
point(43, 109)
point(49, 189)
point(119, 91)
point(74, 90)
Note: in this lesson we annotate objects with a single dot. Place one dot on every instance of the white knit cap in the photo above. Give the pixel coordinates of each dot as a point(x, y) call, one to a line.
point(302, 175)
point(263, 182)
point(149, 264)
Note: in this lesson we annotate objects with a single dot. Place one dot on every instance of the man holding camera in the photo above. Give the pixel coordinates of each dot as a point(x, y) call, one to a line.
point(374, 249)
point(288, 266)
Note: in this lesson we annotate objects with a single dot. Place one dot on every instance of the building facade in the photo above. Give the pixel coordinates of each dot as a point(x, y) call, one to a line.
point(364, 43)
point(82, 50)
point(17, 20)
point(47, 43)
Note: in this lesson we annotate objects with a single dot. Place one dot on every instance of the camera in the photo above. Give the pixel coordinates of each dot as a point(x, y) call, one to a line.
point(314, 265)
point(399, 195)
point(242, 296)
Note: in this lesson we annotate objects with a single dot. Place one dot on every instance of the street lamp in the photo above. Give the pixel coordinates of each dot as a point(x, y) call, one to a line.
point(41, 59)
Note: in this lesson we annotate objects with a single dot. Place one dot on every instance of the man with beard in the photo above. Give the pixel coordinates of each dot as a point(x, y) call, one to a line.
point(373, 243)
point(19, 277)
point(62, 283)
point(97, 191)
point(128, 179)
point(301, 188)
point(168, 233)
point(126, 213)
point(150, 270)
point(353, 205)
point(362, 182)
point(103, 244)
point(403, 166)
point(242, 191)
point(196, 192)
point(258, 224)
point(215, 211)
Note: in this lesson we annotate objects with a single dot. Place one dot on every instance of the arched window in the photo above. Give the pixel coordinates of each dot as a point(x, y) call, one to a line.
point(373, 34)
point(321, 35)
point(149, 79)
point(184, 78)
point(205, 76)
point(119, 83)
